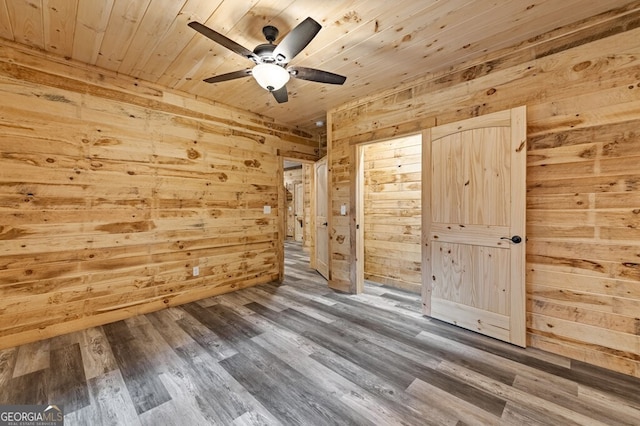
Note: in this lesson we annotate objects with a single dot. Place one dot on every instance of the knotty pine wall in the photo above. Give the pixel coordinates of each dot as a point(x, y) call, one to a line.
point(112, 190)
point(393, 212)
point(581, 86)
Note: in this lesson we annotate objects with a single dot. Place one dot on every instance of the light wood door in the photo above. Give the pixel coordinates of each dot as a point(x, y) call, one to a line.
point(321, 218)
point(474, 222)
point(290, 218)
point(298, 213)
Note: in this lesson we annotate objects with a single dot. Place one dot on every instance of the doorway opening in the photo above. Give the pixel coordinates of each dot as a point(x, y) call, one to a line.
point(389, 212)
point(304, 212)
point(297, 202)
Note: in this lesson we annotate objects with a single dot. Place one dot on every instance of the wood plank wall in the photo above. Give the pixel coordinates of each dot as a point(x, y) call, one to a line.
point(112, 190)
point(392, 212)
point(581, 86)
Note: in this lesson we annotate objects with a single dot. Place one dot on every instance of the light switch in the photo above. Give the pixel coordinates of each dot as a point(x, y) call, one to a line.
point(343, 210)
point(267, 209)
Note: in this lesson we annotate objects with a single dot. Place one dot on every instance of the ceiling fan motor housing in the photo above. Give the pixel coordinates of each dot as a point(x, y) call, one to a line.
point(270, 33)
point(265, 52)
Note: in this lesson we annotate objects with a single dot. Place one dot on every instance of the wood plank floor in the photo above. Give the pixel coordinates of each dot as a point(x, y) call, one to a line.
point(298, 353)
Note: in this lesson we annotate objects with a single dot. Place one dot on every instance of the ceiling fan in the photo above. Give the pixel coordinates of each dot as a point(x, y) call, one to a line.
point(271, 60)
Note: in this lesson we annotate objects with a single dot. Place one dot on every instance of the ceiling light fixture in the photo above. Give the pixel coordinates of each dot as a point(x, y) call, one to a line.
point(270, 76)
point(272, 71)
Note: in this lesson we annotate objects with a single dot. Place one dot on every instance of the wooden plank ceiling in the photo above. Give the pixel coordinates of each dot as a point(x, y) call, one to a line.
point(377, 44)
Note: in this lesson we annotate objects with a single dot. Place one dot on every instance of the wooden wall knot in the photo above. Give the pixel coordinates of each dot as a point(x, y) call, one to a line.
point(582, 66)
point(193, 154)
point(252, 163)
point(126, 227)
point(9, 233)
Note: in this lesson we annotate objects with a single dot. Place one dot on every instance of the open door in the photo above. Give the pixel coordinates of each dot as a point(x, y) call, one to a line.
point(321, 218)
point(298, 211)
point(473, 210)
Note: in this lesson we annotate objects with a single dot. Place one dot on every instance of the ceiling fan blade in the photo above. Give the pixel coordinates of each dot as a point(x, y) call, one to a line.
point(281, 95)
point(296, 40)
point(228, 76)
point(313, 74)
point(224, 41)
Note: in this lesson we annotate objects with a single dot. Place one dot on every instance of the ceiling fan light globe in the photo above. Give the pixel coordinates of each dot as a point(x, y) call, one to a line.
point(270, 76)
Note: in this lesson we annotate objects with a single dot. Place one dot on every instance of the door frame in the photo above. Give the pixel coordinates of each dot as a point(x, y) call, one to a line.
point(357, 195)
point(282, 211)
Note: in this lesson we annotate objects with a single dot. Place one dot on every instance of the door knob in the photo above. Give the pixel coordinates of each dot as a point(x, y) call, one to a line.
point(516, 239)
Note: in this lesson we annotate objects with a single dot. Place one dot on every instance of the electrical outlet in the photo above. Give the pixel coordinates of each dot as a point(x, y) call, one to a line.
point(196, 271)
